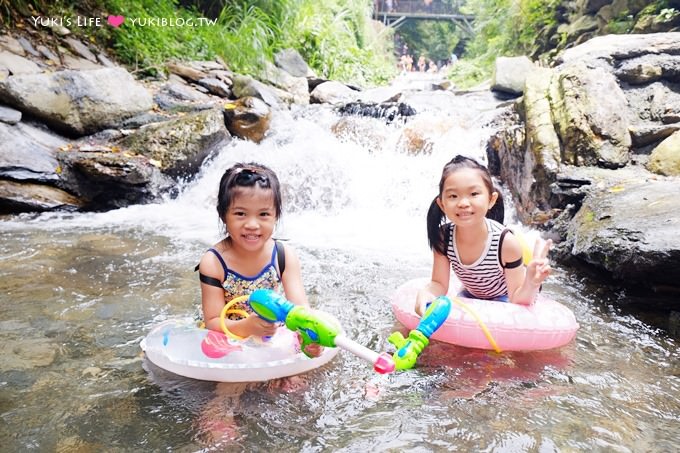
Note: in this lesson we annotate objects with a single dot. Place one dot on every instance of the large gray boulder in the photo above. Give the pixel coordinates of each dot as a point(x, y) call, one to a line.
point(629, 230)
point(78, 103)
point(296, 86)
point(103, 179)
point(180, 146)
point(292, 62)
point(595, 124)
point(591, 116)
point(510, 73)
point(18, 196)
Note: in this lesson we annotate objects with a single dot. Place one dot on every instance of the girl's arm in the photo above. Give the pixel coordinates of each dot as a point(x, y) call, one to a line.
point(212, 301)
point(292, 279)
point(295, 290)
point(438, 285)
point(524, 284)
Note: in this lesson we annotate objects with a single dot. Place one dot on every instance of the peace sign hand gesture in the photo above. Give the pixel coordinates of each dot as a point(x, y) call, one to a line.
point(538, 268)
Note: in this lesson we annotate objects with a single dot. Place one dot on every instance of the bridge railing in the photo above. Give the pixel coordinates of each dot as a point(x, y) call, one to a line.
point(417, 7)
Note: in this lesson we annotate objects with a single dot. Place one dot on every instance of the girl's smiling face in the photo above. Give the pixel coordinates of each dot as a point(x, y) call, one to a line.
point(251, 217)
point(465, 197)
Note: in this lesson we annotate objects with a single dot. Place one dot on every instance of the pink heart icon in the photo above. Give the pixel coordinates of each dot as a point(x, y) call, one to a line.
point(115, 21)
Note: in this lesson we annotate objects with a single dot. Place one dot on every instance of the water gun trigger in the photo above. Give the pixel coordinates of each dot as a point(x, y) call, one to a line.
point(312, 335)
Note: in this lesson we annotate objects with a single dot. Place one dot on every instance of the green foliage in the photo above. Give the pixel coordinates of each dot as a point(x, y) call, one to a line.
point(148, 46)
point(467, 73)
point(337, 40)
point(621, 24)
point(435, 40)
point(504, 28)
point(334, 36)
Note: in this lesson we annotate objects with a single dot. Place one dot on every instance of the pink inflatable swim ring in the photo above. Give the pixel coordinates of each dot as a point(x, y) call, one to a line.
point(544, 325)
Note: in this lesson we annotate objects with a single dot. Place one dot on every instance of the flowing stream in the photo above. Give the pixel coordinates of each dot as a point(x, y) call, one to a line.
point(79, 291)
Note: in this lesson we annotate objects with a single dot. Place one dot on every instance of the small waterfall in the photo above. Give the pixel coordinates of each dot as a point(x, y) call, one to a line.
point(342, 191)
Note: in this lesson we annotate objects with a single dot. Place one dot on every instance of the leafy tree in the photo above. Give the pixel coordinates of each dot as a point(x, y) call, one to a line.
point(504, 27)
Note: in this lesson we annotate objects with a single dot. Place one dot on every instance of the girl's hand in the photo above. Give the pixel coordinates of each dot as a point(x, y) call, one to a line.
point(422, 299)
point(420, 306)
point(313, 349)
point(254, 325)
point(539, 267)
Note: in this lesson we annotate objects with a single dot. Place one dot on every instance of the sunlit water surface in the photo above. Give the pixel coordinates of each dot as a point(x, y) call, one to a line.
point(79, 291)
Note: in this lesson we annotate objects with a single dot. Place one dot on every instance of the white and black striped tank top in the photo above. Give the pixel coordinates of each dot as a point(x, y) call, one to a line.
point(485, 278)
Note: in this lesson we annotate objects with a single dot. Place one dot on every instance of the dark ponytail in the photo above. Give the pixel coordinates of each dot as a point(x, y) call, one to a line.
point(436, 219)
point(497, 211)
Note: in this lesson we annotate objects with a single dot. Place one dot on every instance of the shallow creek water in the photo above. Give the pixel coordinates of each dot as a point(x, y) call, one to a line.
point(79, 291)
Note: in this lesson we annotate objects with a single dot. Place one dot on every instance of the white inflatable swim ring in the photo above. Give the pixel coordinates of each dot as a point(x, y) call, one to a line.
point(183, 348)
point(544, 325)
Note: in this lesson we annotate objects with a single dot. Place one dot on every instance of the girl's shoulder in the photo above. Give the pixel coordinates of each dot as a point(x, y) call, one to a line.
point(212, 252)
point(495, 226)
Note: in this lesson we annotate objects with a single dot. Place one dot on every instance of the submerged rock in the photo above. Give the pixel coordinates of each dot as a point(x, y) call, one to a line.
point(390, 111)
point(248, 118)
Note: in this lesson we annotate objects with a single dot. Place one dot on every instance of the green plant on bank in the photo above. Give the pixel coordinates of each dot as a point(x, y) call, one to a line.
point(333, 35)
point(623, 23)
point(13, 10)
point(147, 47)
point(660, 12)
point(342, 44)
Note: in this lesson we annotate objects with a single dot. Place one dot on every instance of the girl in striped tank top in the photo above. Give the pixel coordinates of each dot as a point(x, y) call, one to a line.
point(486, 257)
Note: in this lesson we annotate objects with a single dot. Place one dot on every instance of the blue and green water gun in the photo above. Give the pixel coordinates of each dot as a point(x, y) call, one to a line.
point(314, 327)
point(409, 348)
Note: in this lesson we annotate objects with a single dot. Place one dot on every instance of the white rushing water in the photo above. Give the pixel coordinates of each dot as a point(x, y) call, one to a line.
point(353, 192)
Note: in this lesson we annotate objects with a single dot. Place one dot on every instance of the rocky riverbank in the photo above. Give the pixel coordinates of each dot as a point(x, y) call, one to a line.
point(591, 152)
point(79, 132)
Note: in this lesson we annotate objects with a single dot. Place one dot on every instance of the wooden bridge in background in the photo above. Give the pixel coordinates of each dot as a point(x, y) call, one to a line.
point(395, 12)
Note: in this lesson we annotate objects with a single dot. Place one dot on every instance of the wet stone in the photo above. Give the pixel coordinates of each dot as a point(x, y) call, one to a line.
point(9, 43)
point(16, 64)
point(47, 53)
point(79, 63)
point(215, 86)
point(28, 47)
point(25, 354)
point(9, 115)
point(81, 49)
point(104, 60)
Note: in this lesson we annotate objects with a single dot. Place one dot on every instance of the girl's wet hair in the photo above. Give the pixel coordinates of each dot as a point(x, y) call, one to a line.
point(436, 217)
point(247, 175)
